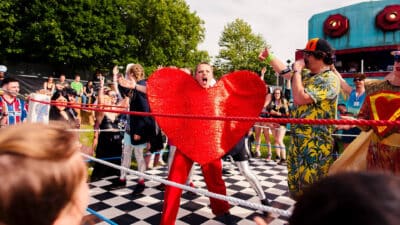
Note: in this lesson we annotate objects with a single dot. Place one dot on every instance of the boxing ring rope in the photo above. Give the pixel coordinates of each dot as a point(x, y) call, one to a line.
point(359, 122)
point(232, 200)
point(98, 215)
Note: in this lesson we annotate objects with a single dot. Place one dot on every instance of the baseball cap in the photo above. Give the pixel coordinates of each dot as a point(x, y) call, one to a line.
point(395, 52)
point(3, 68)
point(396, 55)
point(318, 44)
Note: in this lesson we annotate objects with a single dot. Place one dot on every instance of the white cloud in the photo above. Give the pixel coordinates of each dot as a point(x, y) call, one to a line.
point(282, 23)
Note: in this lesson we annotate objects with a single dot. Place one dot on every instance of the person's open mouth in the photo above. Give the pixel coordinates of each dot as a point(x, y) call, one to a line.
point(204, 80)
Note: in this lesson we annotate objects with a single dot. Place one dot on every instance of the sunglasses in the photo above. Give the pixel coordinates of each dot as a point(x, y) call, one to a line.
point(357, 79)
point(307, 53)
point(397, 58)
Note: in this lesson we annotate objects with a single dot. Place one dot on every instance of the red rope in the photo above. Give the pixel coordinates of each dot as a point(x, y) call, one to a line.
point(359, 122)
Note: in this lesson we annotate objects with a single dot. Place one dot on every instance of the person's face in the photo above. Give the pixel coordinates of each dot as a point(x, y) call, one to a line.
point(1, 75)
point(62, 78)
point(61, 100)
point(71, 98)
point(309, 60)
point(137, 69)
point(342, 108)
point(12, 88)
point(50, 80)
point(77, 78)
point(277, 94)
point(111, 98)
point(396, 65)
point(204, 75)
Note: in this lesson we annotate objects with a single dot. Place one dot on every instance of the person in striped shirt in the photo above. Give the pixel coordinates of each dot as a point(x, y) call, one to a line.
point(13, 110)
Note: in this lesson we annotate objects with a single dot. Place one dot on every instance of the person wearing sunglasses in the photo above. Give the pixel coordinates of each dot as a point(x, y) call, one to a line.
point(383, 103)
point(315, 91)
point(355, 99)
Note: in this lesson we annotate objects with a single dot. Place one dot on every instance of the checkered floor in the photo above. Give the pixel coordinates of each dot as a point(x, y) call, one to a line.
point(123, 209)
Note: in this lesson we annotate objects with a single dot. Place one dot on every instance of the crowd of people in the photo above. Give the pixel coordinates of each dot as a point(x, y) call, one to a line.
point(312, 82)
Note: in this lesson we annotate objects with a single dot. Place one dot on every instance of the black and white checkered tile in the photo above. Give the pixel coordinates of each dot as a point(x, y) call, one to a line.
point(124, 209)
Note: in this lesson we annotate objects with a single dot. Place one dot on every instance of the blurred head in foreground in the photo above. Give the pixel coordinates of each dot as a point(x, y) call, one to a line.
point(43, 176)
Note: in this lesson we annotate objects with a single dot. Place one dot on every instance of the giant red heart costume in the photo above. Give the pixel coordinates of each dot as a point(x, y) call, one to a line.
point(385, 105)
point(238, 94)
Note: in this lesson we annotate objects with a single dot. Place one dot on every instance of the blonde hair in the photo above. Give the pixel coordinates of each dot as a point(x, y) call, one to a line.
point(41, 169)
point(137, 75)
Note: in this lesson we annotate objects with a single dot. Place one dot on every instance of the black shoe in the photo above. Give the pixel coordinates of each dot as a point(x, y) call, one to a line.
point(117, 184)
point(266, 202)
point(277, 159)
point(282, 162)
point(228, 220)
point(138, 189)
point(94, 179)
point(225, 172)
point(161, 187)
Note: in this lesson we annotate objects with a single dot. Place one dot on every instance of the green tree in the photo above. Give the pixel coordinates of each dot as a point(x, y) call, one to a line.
point(9, 36)
point(167, 31)
point(240, 49)
point(89, 34)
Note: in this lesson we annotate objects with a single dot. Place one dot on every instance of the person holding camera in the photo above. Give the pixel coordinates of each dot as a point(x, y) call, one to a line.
point(315, 90)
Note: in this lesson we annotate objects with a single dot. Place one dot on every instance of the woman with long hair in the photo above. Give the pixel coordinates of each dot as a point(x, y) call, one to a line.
point(261, 127)
point(49, 86)
point(60, 111)
point(141, 128)
point(88, 91)
point(279, 108)
point(109, 127)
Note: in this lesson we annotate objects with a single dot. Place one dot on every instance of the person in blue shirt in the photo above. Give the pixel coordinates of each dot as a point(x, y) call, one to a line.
point(355, 99)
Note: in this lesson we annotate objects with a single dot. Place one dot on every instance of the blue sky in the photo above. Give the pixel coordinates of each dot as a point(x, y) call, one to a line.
point(282, 23)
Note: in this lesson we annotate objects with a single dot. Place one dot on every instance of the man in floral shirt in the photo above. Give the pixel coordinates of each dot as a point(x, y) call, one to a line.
point(315, 90)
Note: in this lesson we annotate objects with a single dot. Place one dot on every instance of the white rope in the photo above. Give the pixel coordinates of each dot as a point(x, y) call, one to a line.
point(345, 135)
point(232, 200)
point(269, 127)
point(93, 130)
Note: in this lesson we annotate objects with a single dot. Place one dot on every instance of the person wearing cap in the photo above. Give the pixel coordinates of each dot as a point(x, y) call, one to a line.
point(13, 110)
point(315, 90)
point(3, 70)
point(383, 103)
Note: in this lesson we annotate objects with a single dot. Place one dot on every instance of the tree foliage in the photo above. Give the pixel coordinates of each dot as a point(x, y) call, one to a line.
point(239, 48)
point(88, 34)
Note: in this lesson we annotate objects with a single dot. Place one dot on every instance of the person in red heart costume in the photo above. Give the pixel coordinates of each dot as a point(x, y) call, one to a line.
point(181, 166)
point(383, 103)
